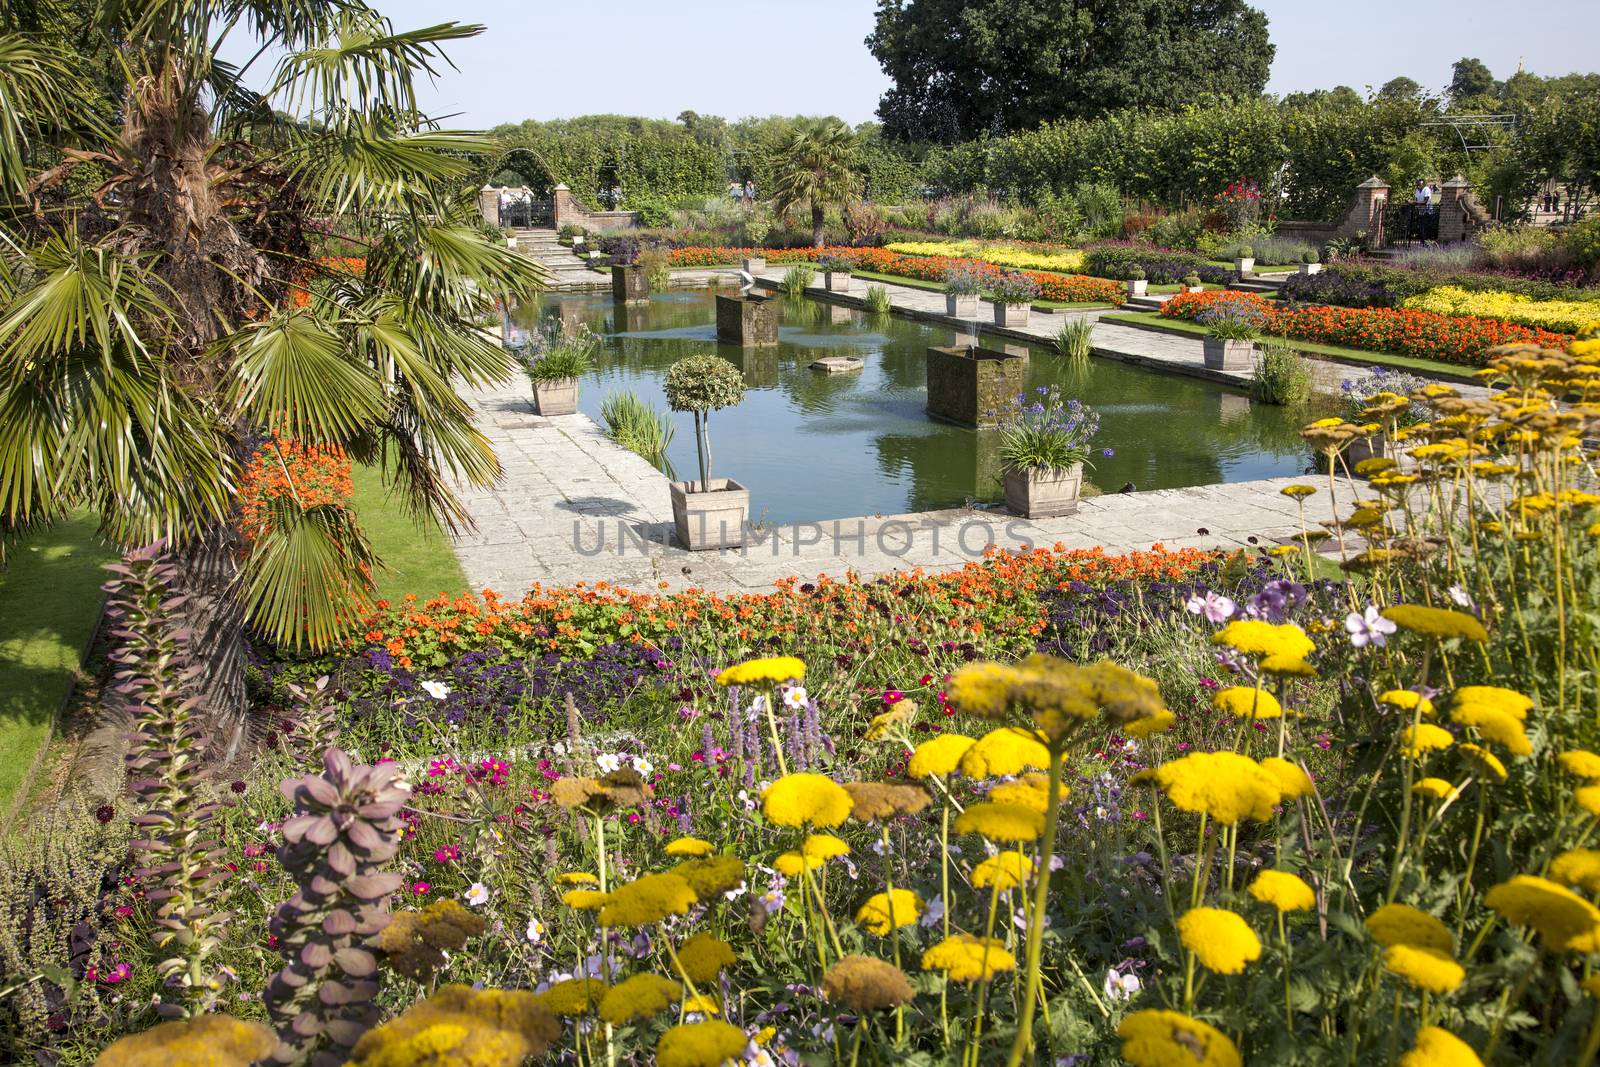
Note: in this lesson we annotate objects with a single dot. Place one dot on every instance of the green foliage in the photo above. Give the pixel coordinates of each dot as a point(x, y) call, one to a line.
point(963, 69)
point(797, 278)
point(632, 423)
point(815, 169)
point(557, 354)
point(656, 262)
point(878, 300)
point(1075, 339)
point(703, 383)
point(1281, 376)
point(653, 161)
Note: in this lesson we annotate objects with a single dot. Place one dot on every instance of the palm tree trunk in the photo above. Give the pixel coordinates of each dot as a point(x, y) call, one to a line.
point(213, 613)
point(816, 224)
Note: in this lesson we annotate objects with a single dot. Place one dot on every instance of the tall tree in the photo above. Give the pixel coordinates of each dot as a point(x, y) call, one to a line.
point(816, 168)
point(1470, 78)
point(199, 293)
point(964, 68)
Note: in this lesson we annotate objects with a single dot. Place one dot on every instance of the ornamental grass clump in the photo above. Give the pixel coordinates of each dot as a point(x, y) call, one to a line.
point(1046, 432)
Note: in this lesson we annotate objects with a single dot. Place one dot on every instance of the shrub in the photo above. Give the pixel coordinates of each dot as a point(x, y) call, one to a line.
point(1178, 229)
point(963, 280)
point(1013, 287)
point(1581, 241)
point(554, 355)
point(656, 262)
point(1045, 431)
point(1281, 376)
point(795, 280)
point(1075, 339)
point(863, 223)
point(1233, 320)
point(700, 385)
point(1162, 266)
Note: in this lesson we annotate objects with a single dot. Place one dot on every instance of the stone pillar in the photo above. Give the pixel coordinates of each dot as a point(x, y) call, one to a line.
point(1453, 210)
point(489, 204)
point(1366, 214)
point(973, 386)
point(565, 208)
point(629, 285)
point(747, 321)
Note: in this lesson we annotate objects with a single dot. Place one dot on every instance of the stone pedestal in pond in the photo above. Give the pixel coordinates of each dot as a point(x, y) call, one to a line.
point(749, 321)
point(973, 386)
point(629, 285)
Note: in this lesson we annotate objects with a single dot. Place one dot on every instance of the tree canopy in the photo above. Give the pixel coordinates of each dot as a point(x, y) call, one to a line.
point(965, 68)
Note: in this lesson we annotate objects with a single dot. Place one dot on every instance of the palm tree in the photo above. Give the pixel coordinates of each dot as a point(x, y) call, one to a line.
point(177, 287)
point(815, 167)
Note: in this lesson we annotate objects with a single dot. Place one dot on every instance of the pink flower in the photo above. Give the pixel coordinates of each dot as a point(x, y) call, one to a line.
point(447, 854)
point(120, 973)
point(891, 697)
point(420, 888)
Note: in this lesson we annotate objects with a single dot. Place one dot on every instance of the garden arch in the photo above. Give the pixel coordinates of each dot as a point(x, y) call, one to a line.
point(528, 203)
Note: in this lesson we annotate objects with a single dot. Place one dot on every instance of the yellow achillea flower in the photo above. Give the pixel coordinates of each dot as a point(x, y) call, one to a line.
point(967, 958)
point(585, 899)
point(1293, 781)
point(1298, 492)
point(639, 997)
point(938, 756)
point(1509, 701)
point(576, 878)
point(703, 957)
point(983, 689)
point(1002, 871)
point(1588, 798)
point(1424, 968)
point(212, 1040)
point(689, 846)
point(1438, 788)
point(880, 726)
point(1440, 1048)
point(1563, 919)
point(1401, 924)
point(775, 669)
point(1031, 791)
point(805, 799)
point(1424, 738)
point(1486, 762)
point(1246, 702)
point(708, 1044)
point(703, 1004)
point(1253, 637)
point(1494, 726)
point(1579, 867)
point(875, 801)
point(575, 996)
point(1443, 623)
point(823, 847)
point(1007, 750)
point(1156, 1038)
point(1001, 822)
point(648, 899)
point(1284, 891)
point(866, 984)
point(793, 864)
point(1219, 939)
point(884, 912)
point(1150, 725)
point(711, 875)
point(459, 1025)
point(1580, 763)
point(1293, 666)
point(1224, 785)
point(1406, 700)
point(1591, 985)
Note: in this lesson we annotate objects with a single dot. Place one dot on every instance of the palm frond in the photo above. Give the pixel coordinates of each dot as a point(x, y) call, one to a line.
point(79, 294)
point(364, 67)
point(291, 373)
point(33, 98)
point(308, 575)
point(370, 165)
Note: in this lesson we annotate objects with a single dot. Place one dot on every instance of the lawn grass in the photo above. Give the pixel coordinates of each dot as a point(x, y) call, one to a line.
point(1154, 320)
point(50, 600)
point(416, 559)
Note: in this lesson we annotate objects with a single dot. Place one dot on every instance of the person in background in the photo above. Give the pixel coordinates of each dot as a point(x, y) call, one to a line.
point(750, 191)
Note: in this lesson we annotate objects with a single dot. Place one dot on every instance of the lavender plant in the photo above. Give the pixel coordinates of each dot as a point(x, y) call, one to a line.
point(345, 827)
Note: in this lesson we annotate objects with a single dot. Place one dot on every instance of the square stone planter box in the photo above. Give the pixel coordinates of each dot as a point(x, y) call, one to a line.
point(1195, 288)
point(1011, 314)
point(1138, 286)
point(961, 307)
point(1042, 493)
point(754, 263)
point(836, 281)
point(973, 386)
point(629, 285)
point(1229, 355)
point(558, 396)
point(1244, 266)
point(705, 520)
point(748, 321)
point(1311, 268)
point(1364, 448)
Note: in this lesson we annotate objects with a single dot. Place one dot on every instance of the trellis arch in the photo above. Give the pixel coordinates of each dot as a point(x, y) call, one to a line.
point(526, 162)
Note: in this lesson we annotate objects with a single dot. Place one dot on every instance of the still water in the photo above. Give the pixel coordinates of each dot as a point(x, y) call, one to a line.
point(811, 445)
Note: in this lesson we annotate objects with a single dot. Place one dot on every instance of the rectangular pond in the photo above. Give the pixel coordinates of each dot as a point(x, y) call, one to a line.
point(811, 445)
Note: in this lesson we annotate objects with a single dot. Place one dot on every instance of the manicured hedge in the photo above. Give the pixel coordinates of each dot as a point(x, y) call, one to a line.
point(1161, 266)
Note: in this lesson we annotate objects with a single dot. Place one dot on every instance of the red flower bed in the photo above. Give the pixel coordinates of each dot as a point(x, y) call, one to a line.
point(1066, 288)
point(1401, 331)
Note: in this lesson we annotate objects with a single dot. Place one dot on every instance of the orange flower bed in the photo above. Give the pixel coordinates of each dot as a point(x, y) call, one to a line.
point(300, 294)
point(1065, 288)
point(283, 468)
point(996, 598)
point(1401, 331)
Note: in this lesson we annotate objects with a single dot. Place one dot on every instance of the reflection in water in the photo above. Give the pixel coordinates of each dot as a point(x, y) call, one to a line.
point(822, 446)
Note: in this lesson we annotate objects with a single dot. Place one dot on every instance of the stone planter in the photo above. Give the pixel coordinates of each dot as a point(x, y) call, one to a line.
point(1042, 493)
point(1244, 266)
point(629, 285)
point(557, 396)
point(1363, 448)
point(1195, 288)
point(1011, 314)
point(1230, 355)
point(710, 519)
point(961, 307)
point(1137, 287)
point(836, 281)
point(747, 321)
point(752, 264)
point(511, 242)
point(973, 386)
point(1311, 268)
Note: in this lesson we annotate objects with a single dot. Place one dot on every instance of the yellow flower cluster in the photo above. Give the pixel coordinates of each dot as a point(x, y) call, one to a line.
point(1008, 750)
point(1225, 786)
point(967, 958)
point(459, 1026)
point(1401, 924)
point(203, 1041)
point(1255, 637)
point(1564, 921)
point(774, 670)
point(805, 799)
point(1002, 871)
point(1155, 1038)
point(1497, 715)
point(866, 984)
point(639, 997)
point(703, 957)
point(704, 1044)
point(1067, 262)
point(884, 912)
point(1425, 968)
point(1442, 623)
point(1560, 316)
point(1058, 695)
point(1440, 1048)
point(1220, 939)
point(1246, 702)
point(938, 756)
point(1001, 822)
point(647, 899)
point(1284, 891)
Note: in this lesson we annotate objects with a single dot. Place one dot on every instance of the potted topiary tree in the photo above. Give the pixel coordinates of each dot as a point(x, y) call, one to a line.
point(1231, 331)
point(961, 287)
point(835, 273)
point(1244, 260)
point(757, 225)
point(1137, 284)
point(1191, 282)
point(1044, 444)
point(1310, 262)
point(1013, 294)
point(706, 514)
point(554, 362)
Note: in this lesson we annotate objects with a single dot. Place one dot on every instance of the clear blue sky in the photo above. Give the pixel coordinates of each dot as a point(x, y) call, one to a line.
point(760, 57)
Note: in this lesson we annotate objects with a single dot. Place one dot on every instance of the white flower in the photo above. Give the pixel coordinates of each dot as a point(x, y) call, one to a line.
point(1121, 986)
point(736, 892)
point(535, 931)
point(1214, 606)
point(794, 697)
point(756, 1056)
point(1459, 595)
point(610, 762)
point(437, 690)
point(643, 766)
point(1369, 626)
point(477, 894)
